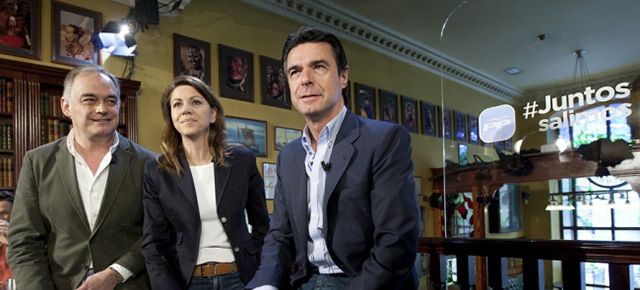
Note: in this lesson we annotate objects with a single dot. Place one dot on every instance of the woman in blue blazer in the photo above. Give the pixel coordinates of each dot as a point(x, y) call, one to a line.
point(196, 193)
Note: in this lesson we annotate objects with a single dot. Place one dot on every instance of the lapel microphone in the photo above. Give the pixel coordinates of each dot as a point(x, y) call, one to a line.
point(325, 166)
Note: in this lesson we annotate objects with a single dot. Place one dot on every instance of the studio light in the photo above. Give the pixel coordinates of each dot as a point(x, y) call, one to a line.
point(116, 39)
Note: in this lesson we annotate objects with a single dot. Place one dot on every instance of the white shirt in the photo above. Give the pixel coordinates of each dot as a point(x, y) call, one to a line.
point(92, 187)
point(214, 243)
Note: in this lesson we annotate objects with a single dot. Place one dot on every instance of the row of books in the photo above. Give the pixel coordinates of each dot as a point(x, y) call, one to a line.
point(6, 172)
point(6, 136)
point(6, 96)
point(53, 129)
point(50, 106)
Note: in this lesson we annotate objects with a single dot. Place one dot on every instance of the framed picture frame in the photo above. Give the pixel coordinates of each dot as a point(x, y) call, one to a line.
point(284, 136)
point(504, 215)
point(365, 104)
point(418, 183)
point(72, 28)
point(445, 123)
point(191, 57)
point(410, 114)
point(270, 177)
point(428, 112)
point(22, 34)
point(388, 106)
point(463, 154)
point(460, 126)
point(508, 145)
point(236, 73)
point(248, 133)
point(472, 130)
point(273, 84)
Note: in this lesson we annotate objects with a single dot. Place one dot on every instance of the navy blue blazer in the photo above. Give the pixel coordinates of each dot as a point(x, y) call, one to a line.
point(172, 226)
point(372, 212)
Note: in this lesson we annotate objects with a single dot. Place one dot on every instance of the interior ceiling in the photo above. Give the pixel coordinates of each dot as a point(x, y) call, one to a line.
point(483, 38)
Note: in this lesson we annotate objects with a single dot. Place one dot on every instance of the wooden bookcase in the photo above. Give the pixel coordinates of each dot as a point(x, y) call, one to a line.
point(30, 113)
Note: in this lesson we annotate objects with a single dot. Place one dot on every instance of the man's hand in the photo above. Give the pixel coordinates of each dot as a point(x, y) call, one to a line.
point(103, 280)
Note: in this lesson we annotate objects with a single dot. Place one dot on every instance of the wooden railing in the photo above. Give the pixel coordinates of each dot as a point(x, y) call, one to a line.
point(572, 254)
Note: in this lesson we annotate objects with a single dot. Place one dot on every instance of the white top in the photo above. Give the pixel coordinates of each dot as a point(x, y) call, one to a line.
point(92, 187)
point(214, 244)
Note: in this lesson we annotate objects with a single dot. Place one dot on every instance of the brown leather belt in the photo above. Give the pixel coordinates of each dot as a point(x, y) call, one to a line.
point(208, 270)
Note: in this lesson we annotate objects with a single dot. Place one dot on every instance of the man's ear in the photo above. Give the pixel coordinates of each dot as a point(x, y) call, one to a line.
point(66, 110)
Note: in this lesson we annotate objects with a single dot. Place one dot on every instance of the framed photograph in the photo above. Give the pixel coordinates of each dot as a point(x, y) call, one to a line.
point(270, 179)
point(418, 182)
point(20, 34)
point(191, 57)
point(445, 123)
point(472, 126)
point(428, 118)
point(410, 114)
point(248, 133)
point(285, 135)
point(72, 28)
point(388, 106)
point(504, 215)
point(463, 154)
point(273, 84)
point(508, 144)
point(365, 101)
point(460, 126)
point(236, 73)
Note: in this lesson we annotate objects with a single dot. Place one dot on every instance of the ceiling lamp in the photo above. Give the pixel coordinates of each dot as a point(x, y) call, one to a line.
point(116, 38)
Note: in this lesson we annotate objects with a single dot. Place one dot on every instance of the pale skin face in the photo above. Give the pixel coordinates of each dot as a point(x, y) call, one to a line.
point(315, 83)
point(93, 107)
point(191, 113)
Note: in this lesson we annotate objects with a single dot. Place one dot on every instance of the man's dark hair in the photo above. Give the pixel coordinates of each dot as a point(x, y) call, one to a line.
point(6, 196)
point(309, 34)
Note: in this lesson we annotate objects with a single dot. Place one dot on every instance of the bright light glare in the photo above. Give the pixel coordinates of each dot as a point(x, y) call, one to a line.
point(562, 144)
point(124, 30)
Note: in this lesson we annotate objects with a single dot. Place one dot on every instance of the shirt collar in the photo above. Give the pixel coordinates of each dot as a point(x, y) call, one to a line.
point(72, 147)
point(331, 129)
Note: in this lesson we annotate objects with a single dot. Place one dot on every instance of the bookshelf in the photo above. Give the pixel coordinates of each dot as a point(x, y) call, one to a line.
point(30, 113)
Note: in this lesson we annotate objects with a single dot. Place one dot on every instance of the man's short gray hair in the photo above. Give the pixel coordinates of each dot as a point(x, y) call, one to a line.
point(86, 69)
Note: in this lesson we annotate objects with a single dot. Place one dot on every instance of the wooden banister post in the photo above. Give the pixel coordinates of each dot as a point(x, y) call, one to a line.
point(620, 276)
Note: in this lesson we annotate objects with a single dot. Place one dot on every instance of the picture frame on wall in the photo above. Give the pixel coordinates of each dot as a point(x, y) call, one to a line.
point(463, 154)
point(284, 136)
point(365, 104)
point(21, 37)
point(428, 118)
point(410, 114)
point(71, 30)
point(388, 106)
point(444, 114)
point(248, 133)
point(191, 57)
point(472, 127)
point(460, 126)
point(508, 144)
point(236, 73)
point(273, 83)
point(270, 178)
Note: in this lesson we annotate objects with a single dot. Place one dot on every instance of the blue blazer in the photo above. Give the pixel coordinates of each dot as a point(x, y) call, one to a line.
point(172, 226)
point(372, 213)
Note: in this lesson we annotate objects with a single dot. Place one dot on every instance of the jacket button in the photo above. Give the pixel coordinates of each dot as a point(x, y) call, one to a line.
point(223, 219)
point(236, 249)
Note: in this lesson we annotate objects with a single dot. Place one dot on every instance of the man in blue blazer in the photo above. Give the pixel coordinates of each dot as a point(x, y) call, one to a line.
point(345, 210)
